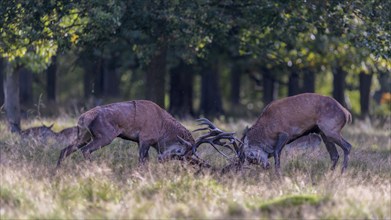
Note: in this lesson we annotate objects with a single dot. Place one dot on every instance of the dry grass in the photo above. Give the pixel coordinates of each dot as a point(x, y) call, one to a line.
point(113, 186)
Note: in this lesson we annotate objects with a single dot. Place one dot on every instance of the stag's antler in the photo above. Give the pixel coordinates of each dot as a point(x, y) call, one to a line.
point(214, 137)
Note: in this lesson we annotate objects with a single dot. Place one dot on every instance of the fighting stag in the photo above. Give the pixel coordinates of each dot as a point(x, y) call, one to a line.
point(140, 121)
point(286, 120)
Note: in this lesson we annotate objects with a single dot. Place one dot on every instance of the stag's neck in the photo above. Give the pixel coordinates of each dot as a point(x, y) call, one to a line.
point(173, 129)
point(260, 135)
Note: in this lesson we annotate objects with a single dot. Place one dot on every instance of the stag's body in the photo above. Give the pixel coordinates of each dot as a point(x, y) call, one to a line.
point(285, 120)
point(141, 121)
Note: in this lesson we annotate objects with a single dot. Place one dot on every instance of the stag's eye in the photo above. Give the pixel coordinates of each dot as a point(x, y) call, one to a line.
point(179, 151)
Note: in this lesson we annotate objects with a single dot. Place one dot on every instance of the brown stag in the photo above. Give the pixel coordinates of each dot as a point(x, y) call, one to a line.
point(140, 121)
point(284, 121)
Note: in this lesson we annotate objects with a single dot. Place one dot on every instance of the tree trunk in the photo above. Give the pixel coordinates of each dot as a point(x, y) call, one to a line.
point(211, 104)
point(11, 96)
point(181, 90)
point(269, 91)
point(155, 78)
point(26, 87)
point(98, 78)
point(1, 82)
point(87, 82)
point(235, 85)
point(88, 78)
point(51, 73)
point(293, 83)
point(309, 81)
point(365, 89)
point(339, 85)
point(110, 79)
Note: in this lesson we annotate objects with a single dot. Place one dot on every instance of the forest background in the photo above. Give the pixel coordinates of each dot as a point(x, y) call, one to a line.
point(202, 57)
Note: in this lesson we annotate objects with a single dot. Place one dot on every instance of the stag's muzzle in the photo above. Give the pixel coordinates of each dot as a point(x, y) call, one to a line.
point(174, 154)
point(258, 157)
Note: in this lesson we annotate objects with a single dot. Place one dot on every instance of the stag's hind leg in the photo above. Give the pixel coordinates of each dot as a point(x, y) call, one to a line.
point(330, 146)
point(336, 138)
point(94, 145)
point(68, 151)
point(346, 146)
point(103, 134)
point(80, 142)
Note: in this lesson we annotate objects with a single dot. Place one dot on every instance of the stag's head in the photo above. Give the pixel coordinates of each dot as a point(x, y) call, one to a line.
point(254, 152)
point(180, 149)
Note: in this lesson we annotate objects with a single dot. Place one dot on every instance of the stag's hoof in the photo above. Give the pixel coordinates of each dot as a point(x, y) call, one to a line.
point(266, 166)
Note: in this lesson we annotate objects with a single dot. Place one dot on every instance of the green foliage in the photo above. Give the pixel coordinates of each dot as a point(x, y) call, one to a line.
point(282, 36)
point(26, 37)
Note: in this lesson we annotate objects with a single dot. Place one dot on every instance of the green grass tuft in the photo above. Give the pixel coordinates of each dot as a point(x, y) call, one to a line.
point(289, 201)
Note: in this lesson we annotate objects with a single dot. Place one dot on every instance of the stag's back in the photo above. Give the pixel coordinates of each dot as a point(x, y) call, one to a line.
point(156, 120)
point(134, 119)
point(300, 113)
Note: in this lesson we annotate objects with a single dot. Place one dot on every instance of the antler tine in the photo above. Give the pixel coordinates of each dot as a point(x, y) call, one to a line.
point(204, 121)
point(200, 129)
point(217, 139)
point(211, 141)
point(226, 157)
point(215, 136)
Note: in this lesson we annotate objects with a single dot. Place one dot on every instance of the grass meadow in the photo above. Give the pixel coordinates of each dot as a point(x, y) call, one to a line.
point(113, 186)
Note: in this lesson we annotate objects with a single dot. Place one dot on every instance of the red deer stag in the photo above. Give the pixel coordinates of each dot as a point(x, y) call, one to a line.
point(141, 121)
point(285, 120)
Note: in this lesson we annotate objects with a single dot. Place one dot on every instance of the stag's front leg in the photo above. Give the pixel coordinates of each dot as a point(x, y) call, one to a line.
point(282, 139)
point(143, 152)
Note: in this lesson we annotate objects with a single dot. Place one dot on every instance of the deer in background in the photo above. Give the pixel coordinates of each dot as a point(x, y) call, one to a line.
point(284, 121)
point(41, 133)
point(44, 133)
point(140, 121)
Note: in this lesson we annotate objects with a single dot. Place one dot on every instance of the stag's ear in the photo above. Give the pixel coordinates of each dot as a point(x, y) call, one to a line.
point(183, 141)
point(245, 130)
point(50, 126)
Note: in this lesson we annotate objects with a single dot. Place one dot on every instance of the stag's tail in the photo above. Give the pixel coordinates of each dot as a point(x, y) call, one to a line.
point(348, 116)
point(83, 125)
